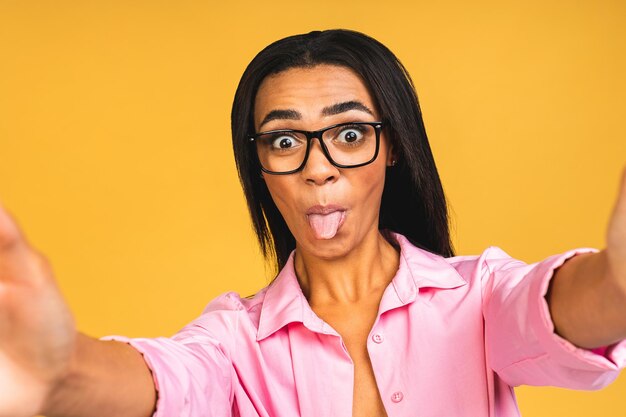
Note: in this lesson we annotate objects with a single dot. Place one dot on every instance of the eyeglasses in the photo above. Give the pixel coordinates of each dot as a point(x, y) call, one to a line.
point(345, 145)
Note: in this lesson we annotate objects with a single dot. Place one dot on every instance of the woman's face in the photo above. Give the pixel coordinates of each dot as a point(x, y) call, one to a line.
point(329, 210)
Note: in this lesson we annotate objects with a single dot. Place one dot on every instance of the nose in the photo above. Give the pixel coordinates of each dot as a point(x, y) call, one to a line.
point(318, 169)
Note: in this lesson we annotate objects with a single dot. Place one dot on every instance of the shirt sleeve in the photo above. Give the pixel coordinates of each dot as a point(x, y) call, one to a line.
point(191, 371)
point(522, 347)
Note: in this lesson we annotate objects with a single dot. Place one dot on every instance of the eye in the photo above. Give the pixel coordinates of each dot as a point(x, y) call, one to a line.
point(283, 142)
point(350, 134)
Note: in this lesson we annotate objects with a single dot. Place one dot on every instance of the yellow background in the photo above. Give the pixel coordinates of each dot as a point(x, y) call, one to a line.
point(115, 152)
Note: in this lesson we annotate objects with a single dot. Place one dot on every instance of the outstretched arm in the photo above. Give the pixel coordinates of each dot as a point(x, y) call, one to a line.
point(45, 365)
point(104, 379)
point(587, 297)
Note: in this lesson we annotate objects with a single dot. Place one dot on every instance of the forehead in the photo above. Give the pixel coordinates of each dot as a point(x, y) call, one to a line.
point(309, 90)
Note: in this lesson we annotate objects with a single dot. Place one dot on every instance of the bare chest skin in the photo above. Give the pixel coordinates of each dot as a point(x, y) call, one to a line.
point(353, 323)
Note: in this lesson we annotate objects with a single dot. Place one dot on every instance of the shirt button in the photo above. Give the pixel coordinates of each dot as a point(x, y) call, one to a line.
point(397, 396)
point(378, 338)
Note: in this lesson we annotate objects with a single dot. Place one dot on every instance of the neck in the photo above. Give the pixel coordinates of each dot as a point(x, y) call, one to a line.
point(363, 272)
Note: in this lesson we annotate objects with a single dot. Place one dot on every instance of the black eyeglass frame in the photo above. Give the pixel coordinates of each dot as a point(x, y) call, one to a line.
point(378, 126)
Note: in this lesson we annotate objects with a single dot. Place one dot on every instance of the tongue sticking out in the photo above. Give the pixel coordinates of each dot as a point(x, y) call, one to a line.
point(325, 226)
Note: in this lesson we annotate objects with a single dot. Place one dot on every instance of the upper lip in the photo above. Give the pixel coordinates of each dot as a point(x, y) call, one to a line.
point(330, 208)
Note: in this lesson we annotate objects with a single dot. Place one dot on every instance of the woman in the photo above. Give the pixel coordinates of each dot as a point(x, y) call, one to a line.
point(370, 314)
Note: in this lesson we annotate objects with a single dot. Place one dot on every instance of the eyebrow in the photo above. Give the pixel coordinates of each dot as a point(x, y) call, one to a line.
point(344, 107)
point(290, 114)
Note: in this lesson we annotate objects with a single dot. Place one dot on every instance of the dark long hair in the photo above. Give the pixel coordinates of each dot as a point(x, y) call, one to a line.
point(413, 201)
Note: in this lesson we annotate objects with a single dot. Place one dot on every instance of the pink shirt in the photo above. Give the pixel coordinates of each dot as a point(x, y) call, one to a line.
point(451, 338)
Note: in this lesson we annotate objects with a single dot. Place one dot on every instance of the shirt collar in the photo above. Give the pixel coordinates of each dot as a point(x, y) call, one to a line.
point(285, 303)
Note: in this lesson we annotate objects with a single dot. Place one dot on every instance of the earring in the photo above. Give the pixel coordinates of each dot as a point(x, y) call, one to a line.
point(393, 162)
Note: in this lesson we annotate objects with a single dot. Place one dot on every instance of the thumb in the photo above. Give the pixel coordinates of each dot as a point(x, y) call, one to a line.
point(621, 198)
point(10, 234)
point(617, 226)
point(19, 262)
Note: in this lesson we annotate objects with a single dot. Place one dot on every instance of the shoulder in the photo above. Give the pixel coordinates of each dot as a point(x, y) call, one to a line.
point(495, 261)
point(226, 318)
point(491, 259)
point(428, 266)
point(232, 306)
point(233, 302)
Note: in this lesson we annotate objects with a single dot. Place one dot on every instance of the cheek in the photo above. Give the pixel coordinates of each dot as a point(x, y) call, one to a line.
point(282, 194)
point(367, 191)
point(373, 181)
point(374, 195)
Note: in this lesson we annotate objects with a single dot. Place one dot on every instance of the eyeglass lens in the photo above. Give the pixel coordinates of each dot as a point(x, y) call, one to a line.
point(349, 144)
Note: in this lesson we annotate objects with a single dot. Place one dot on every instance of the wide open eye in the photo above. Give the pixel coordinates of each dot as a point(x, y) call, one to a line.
point(351, 135)
point(282, 141)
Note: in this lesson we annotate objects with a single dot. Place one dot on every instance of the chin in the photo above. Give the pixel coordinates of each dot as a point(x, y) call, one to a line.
point(328, 249)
